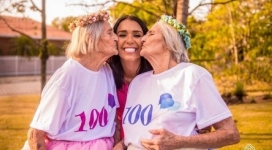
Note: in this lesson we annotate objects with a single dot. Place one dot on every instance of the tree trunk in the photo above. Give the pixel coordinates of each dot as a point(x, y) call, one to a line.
point(182, 11)
point(233, 36)
point(43, 53)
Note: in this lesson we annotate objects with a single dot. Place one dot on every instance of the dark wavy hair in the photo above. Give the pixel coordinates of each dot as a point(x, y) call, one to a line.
point(115, 62)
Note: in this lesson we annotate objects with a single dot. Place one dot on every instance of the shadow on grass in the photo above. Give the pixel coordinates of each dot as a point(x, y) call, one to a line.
point(256, 136)
point(13, 129)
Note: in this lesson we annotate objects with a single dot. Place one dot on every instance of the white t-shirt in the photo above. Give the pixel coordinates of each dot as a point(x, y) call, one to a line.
point(177, 100)
point(78, 104)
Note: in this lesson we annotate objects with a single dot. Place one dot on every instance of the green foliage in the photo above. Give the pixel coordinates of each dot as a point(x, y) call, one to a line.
point(149, 11)
point(239, 91)
point(233, 40)
point(63, 23)
point(23, 46)
point(54, 50)
point(243, 25)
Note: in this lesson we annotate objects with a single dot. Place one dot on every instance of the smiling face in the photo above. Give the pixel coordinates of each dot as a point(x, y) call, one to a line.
point(107, 43)
point(153, 43)
point(129, 34)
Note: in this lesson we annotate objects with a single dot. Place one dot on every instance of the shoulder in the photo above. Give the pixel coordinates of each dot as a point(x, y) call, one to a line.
point(141, 78)
point(143, 75)
point(66, 73)
point(193, 70)
point(106, 69)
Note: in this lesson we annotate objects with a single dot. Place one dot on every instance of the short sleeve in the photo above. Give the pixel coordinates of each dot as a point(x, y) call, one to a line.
point(207, 102)
point(51, 110)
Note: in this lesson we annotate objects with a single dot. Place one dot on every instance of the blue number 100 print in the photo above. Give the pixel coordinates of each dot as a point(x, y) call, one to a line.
point(136, 112)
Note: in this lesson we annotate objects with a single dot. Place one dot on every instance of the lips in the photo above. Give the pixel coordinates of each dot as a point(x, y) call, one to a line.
point(130, 50)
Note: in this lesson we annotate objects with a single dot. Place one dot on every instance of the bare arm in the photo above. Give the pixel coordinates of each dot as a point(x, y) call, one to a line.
point(120, 146)
point(117, 133)
point(225, 133)
point(36, 139)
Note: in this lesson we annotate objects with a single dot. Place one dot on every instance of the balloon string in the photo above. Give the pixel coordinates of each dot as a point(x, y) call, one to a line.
point(158, 114)
point(156, 110)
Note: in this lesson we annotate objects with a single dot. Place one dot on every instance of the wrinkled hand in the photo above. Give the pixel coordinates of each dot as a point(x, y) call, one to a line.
point(164, 140)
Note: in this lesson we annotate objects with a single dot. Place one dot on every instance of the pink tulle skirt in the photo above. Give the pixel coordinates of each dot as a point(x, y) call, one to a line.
point(99, 144)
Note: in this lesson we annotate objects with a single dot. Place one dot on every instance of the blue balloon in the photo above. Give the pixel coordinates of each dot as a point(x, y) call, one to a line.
point(165, 95)
point(176, 106)
point(166, 101)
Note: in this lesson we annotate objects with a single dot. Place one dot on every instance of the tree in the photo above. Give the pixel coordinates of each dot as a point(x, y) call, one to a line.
point(44, 52)
point(23, 46)
point(247, 22)
point(151, 8)
point(234, 38)
point(20, 6)
point(63, 23)
point(182, 7)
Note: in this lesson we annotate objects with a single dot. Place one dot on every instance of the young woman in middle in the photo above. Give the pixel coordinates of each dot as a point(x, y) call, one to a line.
point(128, 64)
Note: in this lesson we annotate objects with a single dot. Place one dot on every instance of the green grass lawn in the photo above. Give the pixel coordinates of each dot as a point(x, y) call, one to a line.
point(16, 112)
point(253, 121)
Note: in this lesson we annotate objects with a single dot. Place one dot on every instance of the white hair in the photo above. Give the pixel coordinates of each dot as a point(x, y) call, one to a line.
point(174, 41)
point(78, 45)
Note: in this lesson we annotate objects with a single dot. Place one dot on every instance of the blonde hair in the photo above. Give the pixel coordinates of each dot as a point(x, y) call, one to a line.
point(174, 41)
point(78, 45)
point(89, 25)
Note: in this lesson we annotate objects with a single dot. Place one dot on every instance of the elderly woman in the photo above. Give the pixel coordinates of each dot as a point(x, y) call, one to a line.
point(78, 104)
point(170, 104)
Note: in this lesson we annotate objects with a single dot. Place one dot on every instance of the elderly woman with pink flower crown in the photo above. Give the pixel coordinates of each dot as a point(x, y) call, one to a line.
point(78, 104)
point(167, 107)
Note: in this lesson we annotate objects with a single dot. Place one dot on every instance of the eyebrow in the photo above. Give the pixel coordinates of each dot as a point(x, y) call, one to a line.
point(132, 31)
point(150, 31)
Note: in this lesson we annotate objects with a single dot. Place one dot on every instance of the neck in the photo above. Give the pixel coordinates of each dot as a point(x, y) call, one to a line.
point(91, 61)
point(130, 69)
point(161, 63)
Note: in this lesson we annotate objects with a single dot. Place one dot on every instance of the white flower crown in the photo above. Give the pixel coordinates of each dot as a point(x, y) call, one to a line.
point(179, 27)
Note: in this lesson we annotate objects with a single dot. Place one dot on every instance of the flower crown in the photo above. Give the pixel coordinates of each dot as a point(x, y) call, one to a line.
point(179, 27)
point(89, 19)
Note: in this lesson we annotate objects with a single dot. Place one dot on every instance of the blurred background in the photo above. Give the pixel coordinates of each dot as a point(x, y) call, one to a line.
point(230, 38)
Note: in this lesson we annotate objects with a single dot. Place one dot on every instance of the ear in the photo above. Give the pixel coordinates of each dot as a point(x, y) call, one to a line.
point(87, 37)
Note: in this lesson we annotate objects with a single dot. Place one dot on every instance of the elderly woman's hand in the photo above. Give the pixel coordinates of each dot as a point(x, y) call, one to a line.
point(165, 140)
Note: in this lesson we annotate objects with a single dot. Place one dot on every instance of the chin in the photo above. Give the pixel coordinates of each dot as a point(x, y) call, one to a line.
point(141, 53)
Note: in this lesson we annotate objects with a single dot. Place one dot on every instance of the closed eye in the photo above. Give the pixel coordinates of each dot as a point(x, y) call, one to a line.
point(122, 35)
point(138, 35)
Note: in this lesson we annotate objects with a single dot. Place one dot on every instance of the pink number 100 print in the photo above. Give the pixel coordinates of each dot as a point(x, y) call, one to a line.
point(95, 116)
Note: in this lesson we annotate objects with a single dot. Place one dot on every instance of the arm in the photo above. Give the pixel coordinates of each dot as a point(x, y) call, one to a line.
point(117, 133)
point(36, 139)
point(120, 146)
point(225, 133)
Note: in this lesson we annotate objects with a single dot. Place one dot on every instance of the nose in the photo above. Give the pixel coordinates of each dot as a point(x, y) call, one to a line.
point(129, 39)
point(143, 39)
point(115, 37)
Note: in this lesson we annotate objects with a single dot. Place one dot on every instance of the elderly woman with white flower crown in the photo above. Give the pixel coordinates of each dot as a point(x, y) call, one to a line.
point(167, 107)
point(78, 104)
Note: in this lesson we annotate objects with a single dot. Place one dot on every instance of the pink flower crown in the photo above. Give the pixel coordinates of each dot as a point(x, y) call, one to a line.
point(89, 19)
